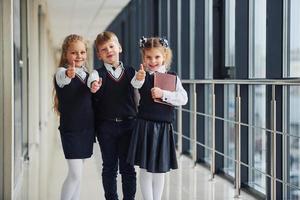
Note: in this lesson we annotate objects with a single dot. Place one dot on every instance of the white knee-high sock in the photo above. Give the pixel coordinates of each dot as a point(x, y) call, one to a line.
point(76, 195)
point(146, 184)
point(72, 180)
point(158, 180)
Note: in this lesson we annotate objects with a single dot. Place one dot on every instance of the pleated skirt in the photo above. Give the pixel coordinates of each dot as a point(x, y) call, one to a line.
point(152, 146)
point(78, 144)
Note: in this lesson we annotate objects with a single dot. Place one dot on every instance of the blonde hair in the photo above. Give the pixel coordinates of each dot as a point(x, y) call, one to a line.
point(63, 61)
point(160, 43)
point(66, 44)
point(104, 37)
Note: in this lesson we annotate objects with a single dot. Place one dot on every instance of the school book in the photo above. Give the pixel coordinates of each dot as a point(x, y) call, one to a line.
point(164, 81)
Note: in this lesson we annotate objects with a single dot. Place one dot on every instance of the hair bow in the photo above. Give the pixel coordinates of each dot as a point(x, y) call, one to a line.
point(164, 42)
point(143, 41)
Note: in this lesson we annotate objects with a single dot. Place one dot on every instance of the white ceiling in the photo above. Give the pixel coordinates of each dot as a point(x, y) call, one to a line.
point(83, 17)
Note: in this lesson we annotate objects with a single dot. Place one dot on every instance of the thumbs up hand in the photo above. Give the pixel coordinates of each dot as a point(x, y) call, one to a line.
point(140, 75)
point(96, 85)
point(71, 70)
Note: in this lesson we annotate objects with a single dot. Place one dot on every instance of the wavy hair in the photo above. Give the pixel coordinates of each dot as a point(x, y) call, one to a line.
point(63, 62)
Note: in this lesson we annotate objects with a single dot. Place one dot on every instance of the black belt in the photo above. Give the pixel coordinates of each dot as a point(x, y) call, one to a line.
point(120, 119)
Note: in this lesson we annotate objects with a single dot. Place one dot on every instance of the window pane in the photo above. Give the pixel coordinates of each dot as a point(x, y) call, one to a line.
point(230, 33)
point(257, 139)
point(229, 90)
point(229, 129)
point(294, 141)
point(208, 75)
point(208, 123)
point(257, 108)
point(294, 57)
point(258, 39)
point(293, 99)
point(208, 40)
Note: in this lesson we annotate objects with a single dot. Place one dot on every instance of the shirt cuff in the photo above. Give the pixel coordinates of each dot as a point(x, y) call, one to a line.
point(94, 76)
point(136, 83)
point(61, 78)
point(166, 96)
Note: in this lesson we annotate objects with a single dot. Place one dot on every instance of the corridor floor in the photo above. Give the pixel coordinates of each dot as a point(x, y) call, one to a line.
point(186, 183)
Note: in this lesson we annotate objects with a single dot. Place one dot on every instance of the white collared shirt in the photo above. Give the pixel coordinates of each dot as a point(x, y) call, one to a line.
point(115, 73)
point(176, 98)
point(62, 79)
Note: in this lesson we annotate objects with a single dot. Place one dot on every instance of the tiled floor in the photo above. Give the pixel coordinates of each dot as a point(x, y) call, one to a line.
point(186, 183)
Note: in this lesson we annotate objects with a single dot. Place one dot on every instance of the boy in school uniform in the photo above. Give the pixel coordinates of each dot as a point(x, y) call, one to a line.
point(115, 112)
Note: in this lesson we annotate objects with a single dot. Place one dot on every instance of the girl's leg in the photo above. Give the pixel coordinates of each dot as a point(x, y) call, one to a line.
point(146, 184)
point(158, 185)
point(76, 195)
point(72, 180)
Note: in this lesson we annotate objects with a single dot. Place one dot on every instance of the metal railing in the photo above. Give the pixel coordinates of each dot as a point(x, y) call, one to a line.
point(237, 122)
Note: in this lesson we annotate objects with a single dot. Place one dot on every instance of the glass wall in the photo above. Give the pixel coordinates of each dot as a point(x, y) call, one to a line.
point(208, 123)
point(230, 33)
point(208, 39)
point(293, 130)
point(208, 74)
point(293, 98)
point(294, 51)
point(242, 46)
point(229, 90)
point(257, 94)
point(229, 129)
point(257, 138)
point(257, 40)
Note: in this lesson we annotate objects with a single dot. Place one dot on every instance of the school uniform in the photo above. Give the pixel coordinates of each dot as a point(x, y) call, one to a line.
point(76, 114)
point(152, 144)
point(115, 113)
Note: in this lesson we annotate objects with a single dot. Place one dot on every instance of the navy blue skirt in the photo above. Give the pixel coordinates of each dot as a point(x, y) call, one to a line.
point(152, 146)
point(78, 144)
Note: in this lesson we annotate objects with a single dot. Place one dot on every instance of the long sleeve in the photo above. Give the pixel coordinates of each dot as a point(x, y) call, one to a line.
point(93, 77)
point(176, 98)
point(136, 83)
point(61, 78)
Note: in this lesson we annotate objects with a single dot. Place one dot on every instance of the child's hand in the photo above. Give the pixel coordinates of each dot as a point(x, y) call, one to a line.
point(156, 93)
point(96, 85)
point(71, 70)
point(140, 75)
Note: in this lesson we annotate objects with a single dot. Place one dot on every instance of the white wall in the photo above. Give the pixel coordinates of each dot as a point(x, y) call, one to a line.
point(1, 104)
point(42, 123)
point(6, 107)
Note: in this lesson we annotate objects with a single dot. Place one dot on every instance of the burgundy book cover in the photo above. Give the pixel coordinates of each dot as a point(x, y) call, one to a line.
point(164, 81)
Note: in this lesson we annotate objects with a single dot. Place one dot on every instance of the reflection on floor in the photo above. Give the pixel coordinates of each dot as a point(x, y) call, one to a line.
point(186, 183)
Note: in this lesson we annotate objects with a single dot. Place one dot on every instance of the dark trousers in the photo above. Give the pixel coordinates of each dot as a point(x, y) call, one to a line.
point(114, 139)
